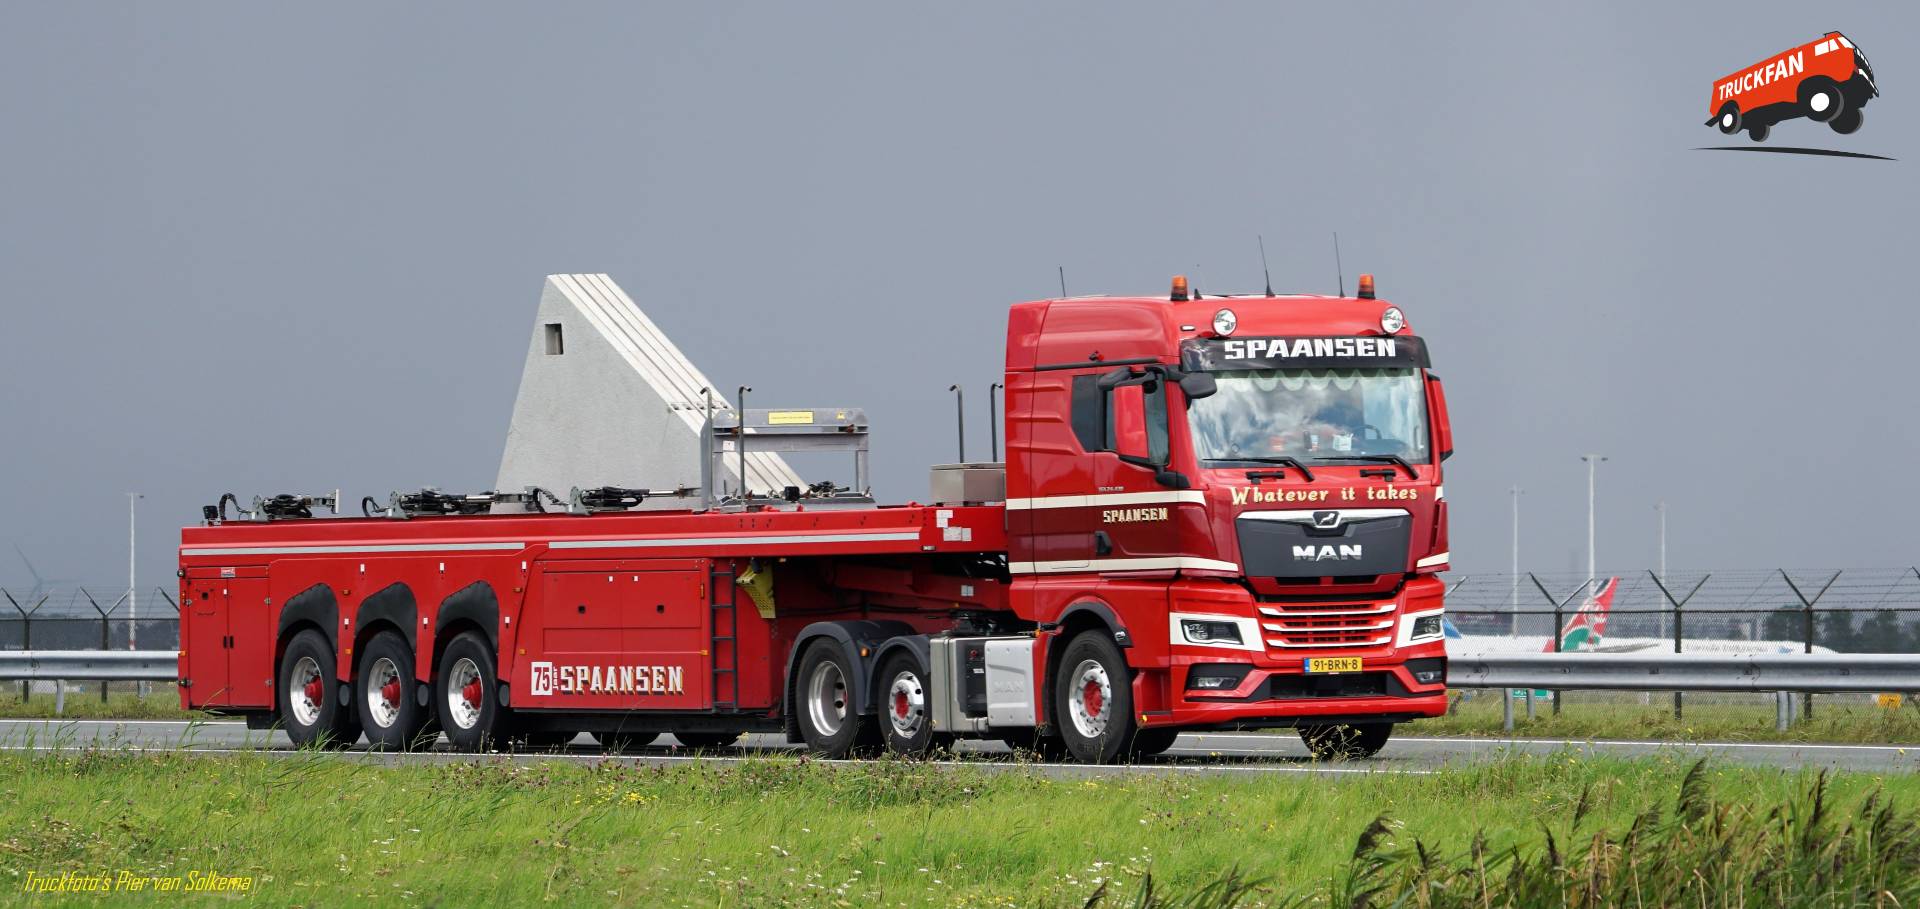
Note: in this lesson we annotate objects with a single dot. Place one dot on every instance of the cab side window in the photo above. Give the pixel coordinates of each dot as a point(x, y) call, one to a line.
point(1093, 417)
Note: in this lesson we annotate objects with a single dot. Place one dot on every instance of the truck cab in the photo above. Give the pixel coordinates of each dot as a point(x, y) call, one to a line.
point(1246, 494)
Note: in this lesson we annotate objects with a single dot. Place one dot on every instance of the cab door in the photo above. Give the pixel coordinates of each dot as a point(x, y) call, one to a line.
point(1136, 517)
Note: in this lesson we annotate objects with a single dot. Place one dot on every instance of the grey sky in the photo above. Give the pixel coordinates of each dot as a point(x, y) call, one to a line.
point(274, 248)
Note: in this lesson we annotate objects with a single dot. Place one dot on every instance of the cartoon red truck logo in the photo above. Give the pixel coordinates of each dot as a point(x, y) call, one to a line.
point(1827, 81)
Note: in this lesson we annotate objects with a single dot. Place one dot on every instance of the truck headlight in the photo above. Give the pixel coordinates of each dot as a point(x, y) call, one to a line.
point(1203, 632)
point(1427, 626)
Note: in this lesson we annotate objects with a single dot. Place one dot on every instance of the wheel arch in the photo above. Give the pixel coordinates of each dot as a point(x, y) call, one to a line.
point(1085, 615)
point(390, 607)
point(473, 607)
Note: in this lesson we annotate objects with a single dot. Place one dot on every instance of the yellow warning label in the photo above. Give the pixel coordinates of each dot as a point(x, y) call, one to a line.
point(789, 417)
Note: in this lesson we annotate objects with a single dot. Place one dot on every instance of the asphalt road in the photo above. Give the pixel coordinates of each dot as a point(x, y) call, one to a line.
point(1225, 753)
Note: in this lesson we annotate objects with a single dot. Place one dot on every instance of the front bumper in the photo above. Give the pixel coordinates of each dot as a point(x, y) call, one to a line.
point(1266, 682)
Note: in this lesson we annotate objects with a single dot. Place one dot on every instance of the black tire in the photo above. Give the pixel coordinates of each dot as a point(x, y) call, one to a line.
point(1821, 99)
point(1345, 741)
point(309, 699)
point(1848, 122)
point(1729, 121)
point(823, 702)
point(1093, 699)
point(625, 741)
point(1027, 743)
point(708, 741)
point(904, 717)
point(1758, 132)
point(387, 696)
point(468, 699)
point(1149, 742)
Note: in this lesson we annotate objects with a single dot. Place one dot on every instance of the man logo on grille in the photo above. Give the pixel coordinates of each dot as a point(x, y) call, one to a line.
point(1326, 519)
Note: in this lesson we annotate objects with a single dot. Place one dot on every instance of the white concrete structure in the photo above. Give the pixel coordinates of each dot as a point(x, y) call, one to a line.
point(606, 399)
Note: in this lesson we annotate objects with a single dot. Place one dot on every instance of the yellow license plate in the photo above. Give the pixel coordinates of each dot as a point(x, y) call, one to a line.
point(1333, 664)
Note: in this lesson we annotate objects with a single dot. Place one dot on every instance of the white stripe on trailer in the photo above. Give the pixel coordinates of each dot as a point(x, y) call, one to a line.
point(1145, 564)
point(1190, 497)
point(350, 547)
point(760, 540)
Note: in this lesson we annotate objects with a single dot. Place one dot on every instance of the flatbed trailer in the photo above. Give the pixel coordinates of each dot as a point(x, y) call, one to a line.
point(1123, 576)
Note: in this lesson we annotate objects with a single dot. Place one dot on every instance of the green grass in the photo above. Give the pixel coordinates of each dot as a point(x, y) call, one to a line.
point(323, 830)
point(1619, 716)
point(162, 704)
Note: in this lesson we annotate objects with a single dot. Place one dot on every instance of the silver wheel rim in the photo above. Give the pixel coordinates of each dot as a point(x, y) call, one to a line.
point(827, 699)
point(305, 711)
point(380, 708)
point(1090, 716)
point(464, 713)
point(906, 705)
point(1726, 120)
point(1820, 103)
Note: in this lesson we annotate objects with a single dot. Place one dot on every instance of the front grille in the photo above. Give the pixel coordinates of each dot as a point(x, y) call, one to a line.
point(1314, 625)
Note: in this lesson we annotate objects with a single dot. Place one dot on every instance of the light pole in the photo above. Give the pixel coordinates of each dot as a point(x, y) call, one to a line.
point(1513, 595)
point(1593, 464)
point(133, 607)
point(1660, 508)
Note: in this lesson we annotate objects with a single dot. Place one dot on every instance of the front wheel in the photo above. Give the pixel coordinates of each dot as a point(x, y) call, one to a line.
point(469, 701)
point(1729, 122)
point(1093, 699)
point(1344, 741)
point(1848, 122)
point(313, 716)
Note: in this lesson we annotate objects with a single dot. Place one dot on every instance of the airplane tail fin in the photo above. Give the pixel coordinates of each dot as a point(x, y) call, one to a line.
point(1589, 623)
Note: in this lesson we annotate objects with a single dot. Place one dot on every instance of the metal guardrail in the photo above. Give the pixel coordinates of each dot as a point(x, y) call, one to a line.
point(102, 665)
point(1782, 673)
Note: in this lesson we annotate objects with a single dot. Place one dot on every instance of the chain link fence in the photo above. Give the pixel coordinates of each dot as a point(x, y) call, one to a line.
point(94, 617)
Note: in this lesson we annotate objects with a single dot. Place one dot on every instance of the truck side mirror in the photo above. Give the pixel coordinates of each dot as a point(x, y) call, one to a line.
point(1128, 411)
point(1197, 385)
point(1437, 408)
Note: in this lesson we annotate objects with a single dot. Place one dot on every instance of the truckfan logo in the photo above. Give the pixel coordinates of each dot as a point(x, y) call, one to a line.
point(1827, 80)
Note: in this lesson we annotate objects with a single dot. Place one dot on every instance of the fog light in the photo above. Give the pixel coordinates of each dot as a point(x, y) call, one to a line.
point(1216, 676)
point(1427, 626)
point(1428, 676)
point(1201, 632)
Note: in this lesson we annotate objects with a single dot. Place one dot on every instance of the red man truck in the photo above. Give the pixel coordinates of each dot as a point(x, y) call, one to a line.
point(1214, 513)
point(1827, 80)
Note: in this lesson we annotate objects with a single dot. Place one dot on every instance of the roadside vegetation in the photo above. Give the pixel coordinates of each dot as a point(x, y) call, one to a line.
point(332, 830)
point(1621, 716)
point(163, 703)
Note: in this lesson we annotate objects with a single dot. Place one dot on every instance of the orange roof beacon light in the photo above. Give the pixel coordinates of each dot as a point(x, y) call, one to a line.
point(1179, 289)
point(1366, 287)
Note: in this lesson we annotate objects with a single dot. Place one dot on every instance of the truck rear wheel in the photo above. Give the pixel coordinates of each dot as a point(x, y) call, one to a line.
point(1848, 122)
point(388, 694)
point(1758, 132)
point(469, 701)
point(625, 741)
point(312, 714)
point(1729, 122)
point(906, 721)
point(1345, 741)
point(1093, 699)
point(823, 701)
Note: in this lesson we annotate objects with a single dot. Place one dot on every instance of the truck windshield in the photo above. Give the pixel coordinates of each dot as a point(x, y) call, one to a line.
point(1327, 415)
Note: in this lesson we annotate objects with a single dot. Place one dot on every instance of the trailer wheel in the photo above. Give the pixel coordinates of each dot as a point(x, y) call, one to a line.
point(1848, 122)
point(1729, 118)
point(469, 706)
point(907, 721)
point(312, 715)
point(625, 741)
point(1149, 742)
point(1093, 700)
point(1758, 132)
point(707, 741)
point(1344, 741)
point(389, 705)
point(823, 702)
point(1822, 99)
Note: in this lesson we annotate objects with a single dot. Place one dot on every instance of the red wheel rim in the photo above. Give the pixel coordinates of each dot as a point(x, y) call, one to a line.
point(1090, 696)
